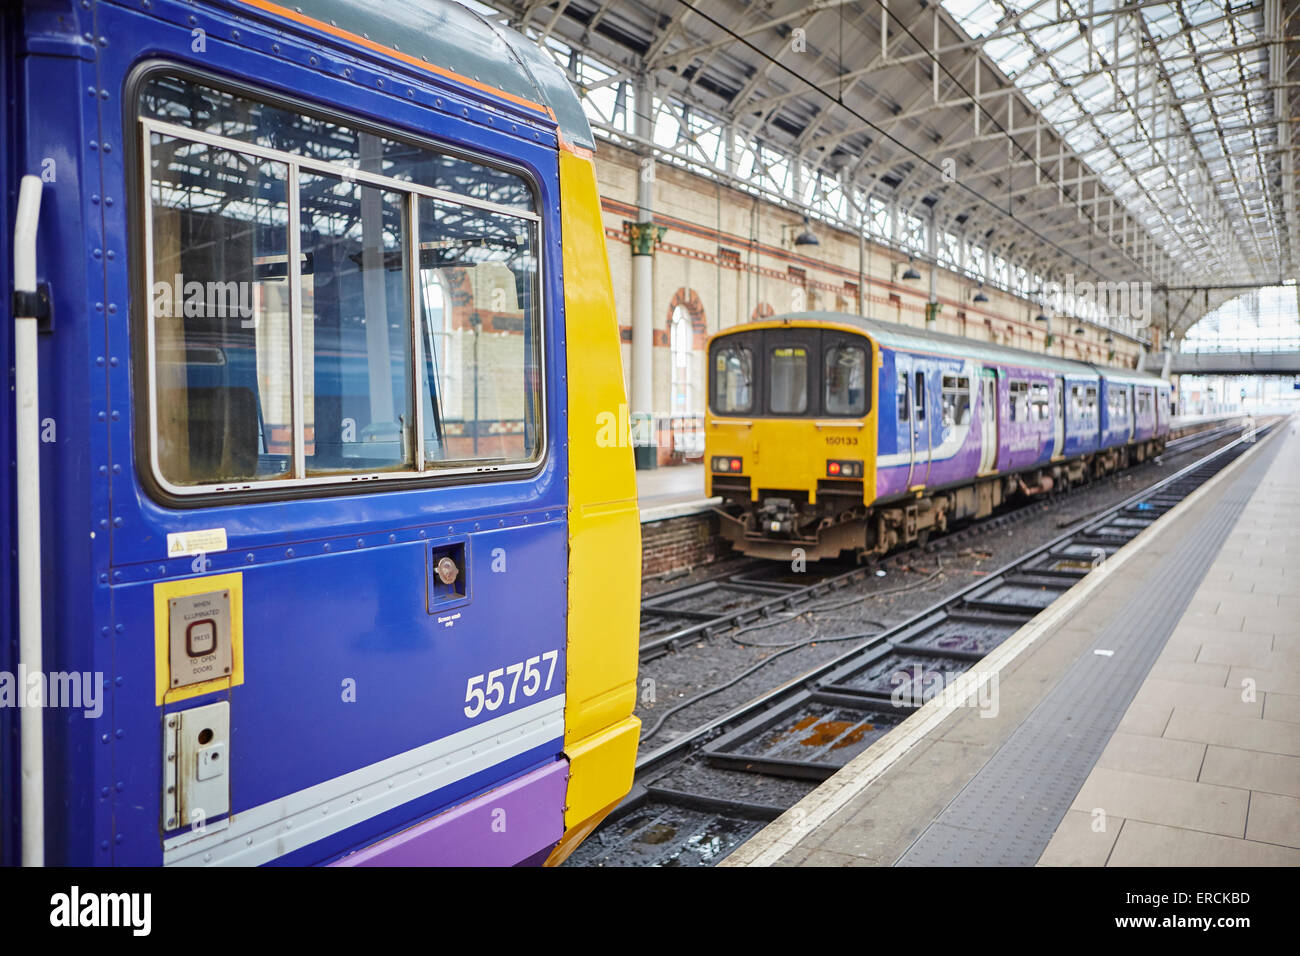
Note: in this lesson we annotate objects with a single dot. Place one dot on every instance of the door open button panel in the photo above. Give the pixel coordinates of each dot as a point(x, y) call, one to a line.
point(199, 637)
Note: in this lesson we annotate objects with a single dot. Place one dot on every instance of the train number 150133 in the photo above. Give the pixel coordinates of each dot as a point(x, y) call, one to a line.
point(841, 439)
point(480, 696)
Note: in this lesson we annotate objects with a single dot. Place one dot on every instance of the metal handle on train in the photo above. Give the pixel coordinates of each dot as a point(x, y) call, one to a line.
point(27, 421)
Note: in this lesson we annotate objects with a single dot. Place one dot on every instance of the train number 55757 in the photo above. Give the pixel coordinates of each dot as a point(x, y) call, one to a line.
point(492, 694)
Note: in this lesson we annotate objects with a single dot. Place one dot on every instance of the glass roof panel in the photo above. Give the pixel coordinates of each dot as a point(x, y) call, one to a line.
point(1152, 96)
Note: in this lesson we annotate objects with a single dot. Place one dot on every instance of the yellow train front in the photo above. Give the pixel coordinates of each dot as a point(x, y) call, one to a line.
point(790, 436)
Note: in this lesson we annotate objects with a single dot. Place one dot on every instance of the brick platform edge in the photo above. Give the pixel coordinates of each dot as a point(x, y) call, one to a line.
point(681, 543)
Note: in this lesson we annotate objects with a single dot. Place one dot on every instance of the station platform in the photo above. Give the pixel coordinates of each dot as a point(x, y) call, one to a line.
point(672, 492)
point(1184, 424)
point(1149, 717)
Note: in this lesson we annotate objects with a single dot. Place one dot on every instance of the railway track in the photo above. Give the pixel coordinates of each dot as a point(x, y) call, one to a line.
point(799, 733)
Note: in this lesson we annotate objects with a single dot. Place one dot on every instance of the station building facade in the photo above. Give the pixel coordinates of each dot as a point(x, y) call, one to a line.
point(723, 257)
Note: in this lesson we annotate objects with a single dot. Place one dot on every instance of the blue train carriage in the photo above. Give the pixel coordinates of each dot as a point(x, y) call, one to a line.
point(830, 433)
point(310, 564)
point(1134, 417)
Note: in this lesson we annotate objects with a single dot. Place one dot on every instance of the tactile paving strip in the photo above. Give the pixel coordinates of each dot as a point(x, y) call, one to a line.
point(1006, 814)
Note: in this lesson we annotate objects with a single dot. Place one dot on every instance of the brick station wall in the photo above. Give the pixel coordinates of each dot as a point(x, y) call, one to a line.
point(679, 543)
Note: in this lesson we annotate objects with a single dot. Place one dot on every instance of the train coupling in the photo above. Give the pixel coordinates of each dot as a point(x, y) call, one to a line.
point(778, 516)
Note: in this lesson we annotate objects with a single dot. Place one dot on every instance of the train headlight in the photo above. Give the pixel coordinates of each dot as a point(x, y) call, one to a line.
point(844, 469)
point(727, 465)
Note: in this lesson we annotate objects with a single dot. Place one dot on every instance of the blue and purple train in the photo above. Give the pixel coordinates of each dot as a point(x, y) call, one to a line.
point(300, 560)
point(831, 433)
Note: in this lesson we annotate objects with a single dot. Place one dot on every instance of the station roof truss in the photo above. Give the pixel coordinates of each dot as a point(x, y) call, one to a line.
point(1024, 144)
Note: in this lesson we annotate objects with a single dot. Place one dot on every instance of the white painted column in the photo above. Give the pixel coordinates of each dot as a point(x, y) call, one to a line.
point(644, 239)
point(932, 244)
point(862, 259)
point(642, 335)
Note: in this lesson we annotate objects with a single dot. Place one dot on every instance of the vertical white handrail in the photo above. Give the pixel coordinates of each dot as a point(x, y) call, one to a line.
point(32, 742)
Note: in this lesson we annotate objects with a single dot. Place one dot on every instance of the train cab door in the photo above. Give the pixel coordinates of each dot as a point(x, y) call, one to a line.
point(988, 420)
point(1058, 422)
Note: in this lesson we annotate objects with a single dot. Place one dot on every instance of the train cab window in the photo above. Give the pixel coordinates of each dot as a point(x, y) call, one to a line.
point(920, 396)
point(403, 348)
point(788, 394)
point(846, 380)
point(956, 400)
point(904, 399)
point(733, 379)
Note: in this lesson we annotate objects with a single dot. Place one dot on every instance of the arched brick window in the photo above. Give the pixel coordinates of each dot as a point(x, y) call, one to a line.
point(687, 332)
point(682, 392)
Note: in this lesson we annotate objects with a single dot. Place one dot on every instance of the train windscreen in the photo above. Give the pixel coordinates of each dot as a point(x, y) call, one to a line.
point(791, 373)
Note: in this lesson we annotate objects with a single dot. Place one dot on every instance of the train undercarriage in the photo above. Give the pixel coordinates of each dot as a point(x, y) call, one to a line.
point(783, 525)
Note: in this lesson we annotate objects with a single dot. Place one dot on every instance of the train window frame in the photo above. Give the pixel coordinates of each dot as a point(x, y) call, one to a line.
point(904, 398)
point(862, 347)
point(1018, 398)
point(1040, 401)
point(919, 402)
point(771, 347)
point(732, 344)
point(955, 397)
point(417, 470)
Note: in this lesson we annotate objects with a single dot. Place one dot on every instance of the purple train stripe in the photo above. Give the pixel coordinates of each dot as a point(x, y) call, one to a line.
point(520, 820)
